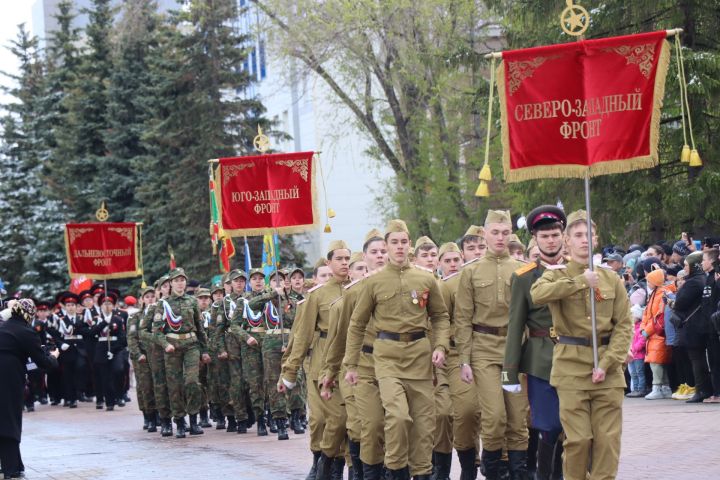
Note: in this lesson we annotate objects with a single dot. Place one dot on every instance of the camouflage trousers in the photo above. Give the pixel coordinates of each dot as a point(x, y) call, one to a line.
point(157, 367)
point(237, 392)
point(218, 385)
point(203, 378)
point(145, 393)
point(252, 369)
point(272, 364)
point(183, 378)
point(298, 396)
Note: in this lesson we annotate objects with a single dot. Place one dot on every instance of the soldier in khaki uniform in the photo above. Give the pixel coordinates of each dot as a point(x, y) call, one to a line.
point(374, 256)
point(400, 299)
point(481, 318)
point(310, 339)
point(590, 399)
point(533, 355)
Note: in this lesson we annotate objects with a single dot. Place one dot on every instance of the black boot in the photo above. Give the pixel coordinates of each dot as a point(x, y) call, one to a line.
point(152, 422)
point(337, 467)
point(231, 424)
point(357, 465)
point(271, 424)
point(99, 405)
point(517, 461)
point(146, 421)
point(557, 470)
point(324, 465)
point(282, 430)
point(261, 428)
point(296, 423)
point(241, 426)
point(423, 477)
point(401, 474)
point(194, 427)
point(220, 422)
point(468, 469)
point(313, 470)
point(532, 452)
point(181, 427)
point(166, 427)
point(491, 464)
point(441, 465)
point(372, 472)
point(204, 420)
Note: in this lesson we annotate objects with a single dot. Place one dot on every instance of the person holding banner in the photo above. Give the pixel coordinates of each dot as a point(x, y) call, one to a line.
point(109, 331)
point(157, 357)
point(139, 359)
point(590, 398)
point(177, 325)
point(310, 340)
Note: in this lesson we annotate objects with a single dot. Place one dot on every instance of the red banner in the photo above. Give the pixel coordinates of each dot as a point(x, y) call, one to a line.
point(267, 193)
point(102, 250)
point(592, 104)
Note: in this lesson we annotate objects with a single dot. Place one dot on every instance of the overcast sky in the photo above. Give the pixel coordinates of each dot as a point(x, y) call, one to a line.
point(14, 12)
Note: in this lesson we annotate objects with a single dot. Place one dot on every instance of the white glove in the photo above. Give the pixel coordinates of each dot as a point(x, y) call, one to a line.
point(637, 311)
point(289, 385)
point(110, 355)
point(512, 388)
point(64, 347)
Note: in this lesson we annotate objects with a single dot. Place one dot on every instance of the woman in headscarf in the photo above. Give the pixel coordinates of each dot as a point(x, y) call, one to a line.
point(18, 342)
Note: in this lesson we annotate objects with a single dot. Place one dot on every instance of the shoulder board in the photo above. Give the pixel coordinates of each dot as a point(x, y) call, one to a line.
point(354, 282)
point(529, 267)
point(451, 276)
point(336, 300)
point(560, 266)
point(423, 269)
point(469, 262)
point(315, 288)
point(300, 302)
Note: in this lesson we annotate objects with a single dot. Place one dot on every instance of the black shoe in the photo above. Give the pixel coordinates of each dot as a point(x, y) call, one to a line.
point(127, 398)
point(99, 406)
point(73, 404)
point(110, 408)
point(55, 403)
point(324, 465)
point(181, 427)
point(204, 420)
point(357, 465)
point(146, 421)
point(313, 470)
point(517, 463)
point(121, 402)
point(43, 401)
point(491, 464)
point(441, 465)
point(166, 427)
point(66, 403)
point(295, 423)
point(30, 408)
point(698, 397)
point(337, 467)
point(231, 424)
point(220, 422)
point(241, 426)
point(468, 469)
point(152, 422)
point(85, 399)
point(281, 429)
point(261, 428)
point(372, 472)
point(194, 427)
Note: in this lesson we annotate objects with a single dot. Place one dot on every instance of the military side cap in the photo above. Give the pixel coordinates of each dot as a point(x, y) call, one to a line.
point(544, 215)
point(448, 248)
point(253, 271)
point(356, 257)
point(475, 231)
point(514, 239)
point(176, 272)
point(320, 263)
point(218, 286)
point(236, 273)
point(396, 226)
point(577, 216)
point(372, 234)
point(424, 240)
point(498, 216)
point(337, 245)
point(202, 292)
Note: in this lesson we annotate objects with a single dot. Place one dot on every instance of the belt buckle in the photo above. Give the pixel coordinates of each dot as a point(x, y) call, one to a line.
point(553, 335)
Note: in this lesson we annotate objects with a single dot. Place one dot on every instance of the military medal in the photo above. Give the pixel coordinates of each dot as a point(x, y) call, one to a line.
point(414, 297)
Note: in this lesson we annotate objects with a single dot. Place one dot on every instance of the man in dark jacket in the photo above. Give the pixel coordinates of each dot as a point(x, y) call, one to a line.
point(18, 342)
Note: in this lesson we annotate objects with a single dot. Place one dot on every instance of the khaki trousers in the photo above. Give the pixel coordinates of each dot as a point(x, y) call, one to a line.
point(592, 422)
point(353, 419)
point(504, 414)
point(372, 419)
point(409, 423)
point(465, 408)
point(443, 436)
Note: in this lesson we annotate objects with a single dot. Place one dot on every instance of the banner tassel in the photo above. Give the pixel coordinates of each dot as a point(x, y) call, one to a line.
point(687, 155)
point(483, 190)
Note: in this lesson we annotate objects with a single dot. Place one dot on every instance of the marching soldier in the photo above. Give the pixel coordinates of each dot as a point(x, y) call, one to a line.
point(109, 331)
point(139, 359)
point(533, 356)
point(178, 328)
point(481, 318)
point(590, 398)
point(401, 299)
point(204, 299)
point(90, 312)
point(310, 339)
point(296, 397)
point(219, 371)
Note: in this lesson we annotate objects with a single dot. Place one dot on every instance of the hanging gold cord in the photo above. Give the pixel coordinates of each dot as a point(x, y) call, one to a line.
point(485, 175)
point(140, 256)
point(692, 156)
point(682, 91)
point(327, 228)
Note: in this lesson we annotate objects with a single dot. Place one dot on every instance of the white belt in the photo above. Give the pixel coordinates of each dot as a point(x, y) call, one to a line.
point(108, 339)
point(73, 337)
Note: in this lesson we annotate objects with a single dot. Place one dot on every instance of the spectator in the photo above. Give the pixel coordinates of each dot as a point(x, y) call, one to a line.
point(681, 376)
point(636, 366)
point(653, 329)
point(615, 262)
point(711, 295)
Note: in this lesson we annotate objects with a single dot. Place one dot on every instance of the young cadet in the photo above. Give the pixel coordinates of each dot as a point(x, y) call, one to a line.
point(533, 356)
point(426, 254)
point(218, 395)
point(204, 300)
point(109, 331)
point(231, 386)
point(590, 399)
point(178, 328)
point(69, 335)
point(464, 397)
point(401, 299)
point(139, 359)
point(310, 339)
point(481, 318)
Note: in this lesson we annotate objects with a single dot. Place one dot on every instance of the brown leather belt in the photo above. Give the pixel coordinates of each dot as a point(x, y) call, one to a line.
point(498, 331)
point(323, 334)
point(401, 337)
point(542, 332)
point(367, 349)
point(582, 341)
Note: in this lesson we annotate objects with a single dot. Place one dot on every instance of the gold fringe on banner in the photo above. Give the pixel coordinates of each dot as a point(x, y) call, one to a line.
point(597, 169)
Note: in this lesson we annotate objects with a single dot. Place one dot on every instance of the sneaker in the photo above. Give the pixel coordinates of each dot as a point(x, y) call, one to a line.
point(682, 388)
point(635, 394)
point(666, 391)
point(689, 393)
point(656, 393)
point(712, 399)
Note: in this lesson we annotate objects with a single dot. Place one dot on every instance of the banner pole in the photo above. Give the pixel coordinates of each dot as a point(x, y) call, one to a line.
point(591, 266)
